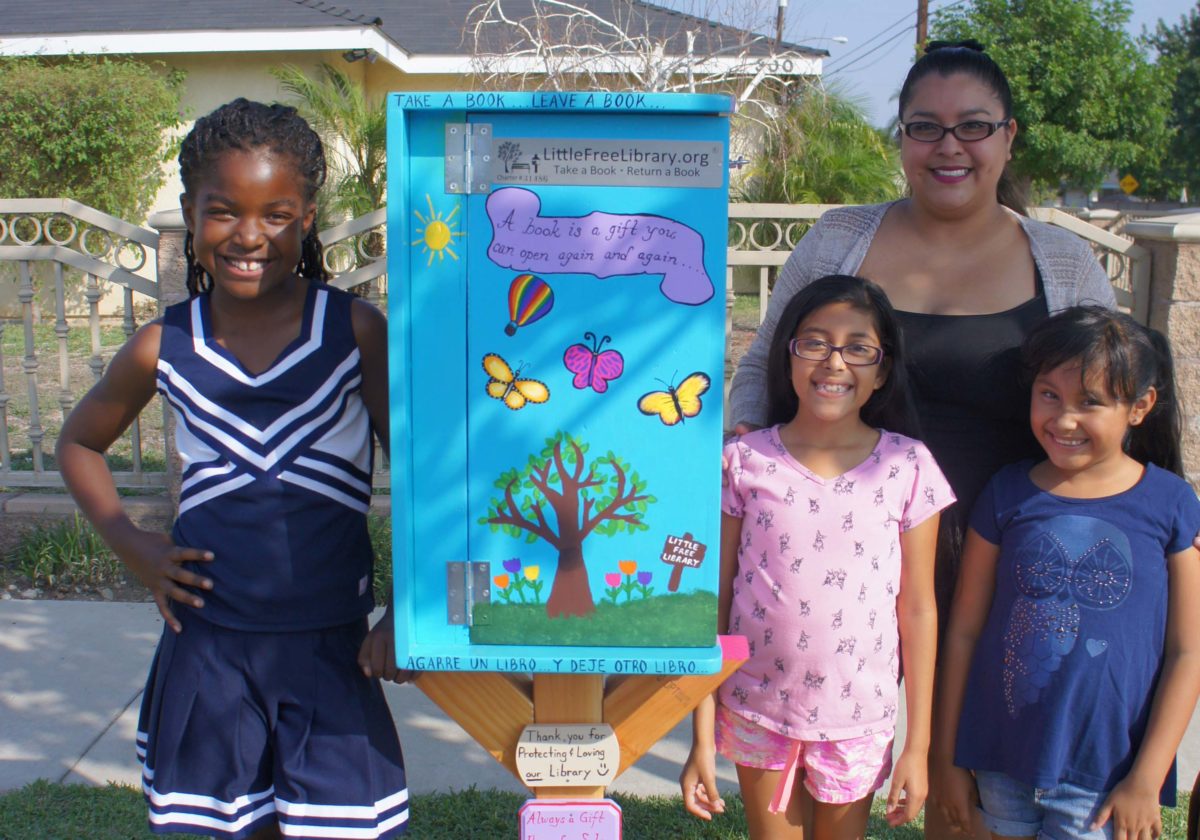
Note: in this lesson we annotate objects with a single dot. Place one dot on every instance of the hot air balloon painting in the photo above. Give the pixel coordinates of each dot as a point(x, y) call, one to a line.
point(529, 299)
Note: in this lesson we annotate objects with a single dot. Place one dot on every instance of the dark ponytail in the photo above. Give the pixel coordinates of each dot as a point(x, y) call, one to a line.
point(946, 58)
point(1156, 440)
point(1131, 358)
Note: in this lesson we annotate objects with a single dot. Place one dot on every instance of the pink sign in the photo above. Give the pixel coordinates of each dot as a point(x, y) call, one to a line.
point(570, 819)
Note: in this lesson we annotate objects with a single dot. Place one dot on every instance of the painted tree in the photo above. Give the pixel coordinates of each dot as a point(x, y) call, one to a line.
point(561, 498)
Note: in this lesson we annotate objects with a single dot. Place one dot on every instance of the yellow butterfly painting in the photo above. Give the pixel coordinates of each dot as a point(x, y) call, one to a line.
point(506, 386)
point(676, 403)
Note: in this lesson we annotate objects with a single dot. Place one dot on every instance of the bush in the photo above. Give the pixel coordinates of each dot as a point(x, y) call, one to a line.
point(69, 552)
point(86, 128)
point(380, 529)
point(822, 150)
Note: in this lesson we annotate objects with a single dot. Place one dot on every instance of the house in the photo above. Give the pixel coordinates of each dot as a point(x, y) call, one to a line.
point(227, 47)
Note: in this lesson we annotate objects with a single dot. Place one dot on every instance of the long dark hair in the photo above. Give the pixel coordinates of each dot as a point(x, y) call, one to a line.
point(1130, 358)
point(890, 406)
point(946, 58)
point(245, 125)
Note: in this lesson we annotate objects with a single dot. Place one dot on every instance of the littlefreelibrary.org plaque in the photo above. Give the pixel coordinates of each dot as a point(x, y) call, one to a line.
point(544, 161)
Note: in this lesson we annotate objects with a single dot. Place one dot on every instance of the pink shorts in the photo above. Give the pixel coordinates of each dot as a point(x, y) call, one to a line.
point(835, 772)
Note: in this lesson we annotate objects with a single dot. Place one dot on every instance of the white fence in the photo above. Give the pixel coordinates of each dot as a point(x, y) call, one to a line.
point(75, 283)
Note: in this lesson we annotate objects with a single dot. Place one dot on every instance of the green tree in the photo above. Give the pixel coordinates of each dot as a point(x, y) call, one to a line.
point(1086, 98)
point(823, 151)
point(354, 129)
point(91, 129)
point(1178, 49)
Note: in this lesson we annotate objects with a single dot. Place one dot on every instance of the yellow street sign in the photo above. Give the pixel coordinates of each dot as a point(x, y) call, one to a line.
point(1128, 184)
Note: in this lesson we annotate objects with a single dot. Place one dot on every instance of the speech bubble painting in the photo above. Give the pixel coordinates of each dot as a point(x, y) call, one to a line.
point(600, 244)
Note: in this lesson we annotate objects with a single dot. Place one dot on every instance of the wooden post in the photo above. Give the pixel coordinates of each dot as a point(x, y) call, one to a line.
point(568, 698)
point(494, 708)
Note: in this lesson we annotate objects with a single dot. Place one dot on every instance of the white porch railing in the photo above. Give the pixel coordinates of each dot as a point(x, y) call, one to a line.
point(75, 283)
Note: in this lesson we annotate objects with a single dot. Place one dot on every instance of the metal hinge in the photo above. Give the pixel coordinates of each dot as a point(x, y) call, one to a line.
point(468, 158)
point(465, 589)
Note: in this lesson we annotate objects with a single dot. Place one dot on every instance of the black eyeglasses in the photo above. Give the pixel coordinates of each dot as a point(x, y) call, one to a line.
point(970, 131)
point(816, 350)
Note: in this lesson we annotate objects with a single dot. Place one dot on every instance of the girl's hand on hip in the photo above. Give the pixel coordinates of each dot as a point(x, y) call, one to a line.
point(698, 784)
point(1133, 808)
point(956, 796)
point(158, 564)
point(910, 787)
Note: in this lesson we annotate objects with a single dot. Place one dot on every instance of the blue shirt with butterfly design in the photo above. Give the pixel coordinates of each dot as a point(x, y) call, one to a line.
point(1066, 667)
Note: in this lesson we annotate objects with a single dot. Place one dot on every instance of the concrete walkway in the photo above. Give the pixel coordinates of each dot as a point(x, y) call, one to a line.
point(71, 676)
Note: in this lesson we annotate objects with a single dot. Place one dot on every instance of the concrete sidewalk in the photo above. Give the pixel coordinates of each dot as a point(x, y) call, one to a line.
point(71, 677)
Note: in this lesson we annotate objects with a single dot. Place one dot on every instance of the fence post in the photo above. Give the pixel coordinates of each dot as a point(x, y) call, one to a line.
point(172, 288)
point(1174, 303)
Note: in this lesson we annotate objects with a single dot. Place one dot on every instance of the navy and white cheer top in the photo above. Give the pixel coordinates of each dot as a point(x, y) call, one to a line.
point(276, 475)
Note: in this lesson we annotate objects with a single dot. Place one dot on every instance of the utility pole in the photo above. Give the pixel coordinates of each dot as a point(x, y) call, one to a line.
point(779, 16)
point(922, 24)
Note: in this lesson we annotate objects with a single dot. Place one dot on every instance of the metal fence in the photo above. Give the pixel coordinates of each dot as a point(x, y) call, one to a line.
point(75, 283)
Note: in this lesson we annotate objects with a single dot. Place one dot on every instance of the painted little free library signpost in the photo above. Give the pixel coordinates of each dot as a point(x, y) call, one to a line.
point(556, 316)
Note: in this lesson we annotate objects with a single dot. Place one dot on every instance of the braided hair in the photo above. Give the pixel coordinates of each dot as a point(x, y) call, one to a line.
point(244, 125)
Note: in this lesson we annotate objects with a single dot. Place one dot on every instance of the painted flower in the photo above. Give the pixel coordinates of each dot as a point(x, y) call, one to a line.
point(531, 573)
point(612, 579)
point(627, 567)
point(513, 565)
point(644, 577)
point(501, 581)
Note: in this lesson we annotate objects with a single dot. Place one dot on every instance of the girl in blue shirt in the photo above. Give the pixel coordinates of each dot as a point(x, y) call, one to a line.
point(1072, 658)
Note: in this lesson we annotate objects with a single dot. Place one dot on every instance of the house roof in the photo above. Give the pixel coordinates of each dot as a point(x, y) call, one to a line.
point(396, 29)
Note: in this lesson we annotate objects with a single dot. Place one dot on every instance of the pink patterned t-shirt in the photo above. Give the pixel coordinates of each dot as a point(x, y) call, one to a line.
point(817, 579)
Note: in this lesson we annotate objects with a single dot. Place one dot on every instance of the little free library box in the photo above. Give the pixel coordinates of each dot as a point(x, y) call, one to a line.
point(556, 303)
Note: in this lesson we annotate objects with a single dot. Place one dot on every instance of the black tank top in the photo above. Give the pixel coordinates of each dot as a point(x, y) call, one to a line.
point(972, 398)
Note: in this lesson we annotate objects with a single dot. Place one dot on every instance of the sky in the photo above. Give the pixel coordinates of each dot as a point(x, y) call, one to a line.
point(880, 33)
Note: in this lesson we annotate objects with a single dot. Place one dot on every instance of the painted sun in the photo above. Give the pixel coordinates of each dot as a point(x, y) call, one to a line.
point(438, 233)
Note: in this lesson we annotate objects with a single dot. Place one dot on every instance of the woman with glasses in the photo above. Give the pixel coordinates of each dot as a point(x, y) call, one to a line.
point(968, 273)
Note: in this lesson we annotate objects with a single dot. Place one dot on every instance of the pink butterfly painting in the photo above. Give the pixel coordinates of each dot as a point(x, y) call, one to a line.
point(593, 368)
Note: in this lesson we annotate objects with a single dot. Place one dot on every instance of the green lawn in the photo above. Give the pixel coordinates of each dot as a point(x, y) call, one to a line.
point(45, 811)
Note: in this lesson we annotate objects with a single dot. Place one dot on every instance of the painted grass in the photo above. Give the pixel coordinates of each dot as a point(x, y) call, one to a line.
point(658, 621)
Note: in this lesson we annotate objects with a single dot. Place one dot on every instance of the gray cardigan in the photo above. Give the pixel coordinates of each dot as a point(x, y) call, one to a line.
point(838, 243)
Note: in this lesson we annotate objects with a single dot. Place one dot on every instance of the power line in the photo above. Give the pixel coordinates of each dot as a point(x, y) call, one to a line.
point(903, 33)
point(847, 55)
point(845, 59)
